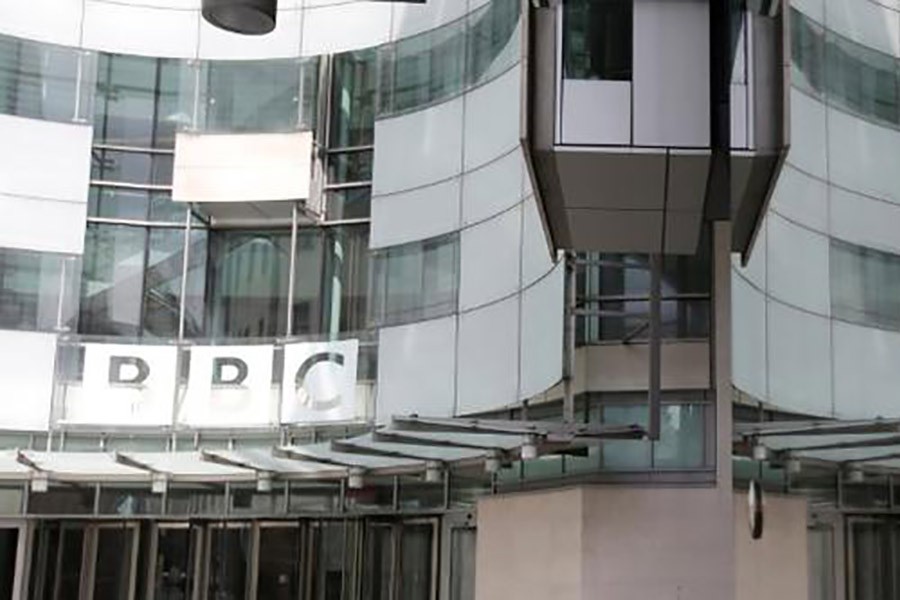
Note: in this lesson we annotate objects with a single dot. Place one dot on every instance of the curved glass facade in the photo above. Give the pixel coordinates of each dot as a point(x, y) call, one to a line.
point(844, 72)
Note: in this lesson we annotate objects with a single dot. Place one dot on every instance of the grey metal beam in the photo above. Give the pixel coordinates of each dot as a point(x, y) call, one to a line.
point(654, 394)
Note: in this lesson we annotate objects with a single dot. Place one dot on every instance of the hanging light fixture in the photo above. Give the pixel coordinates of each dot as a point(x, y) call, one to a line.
point(434, 472)
point(248, 17)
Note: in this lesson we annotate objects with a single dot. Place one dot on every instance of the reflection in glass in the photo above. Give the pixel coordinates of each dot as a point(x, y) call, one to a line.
point(333, 560)
point(597, 39)
point(162, 283)
point(247, 283)
point(229, 561)
point(279, 563)
point(113, 564)
point(872, 568)
point(174, 557)
point(112, 277)
point(350, 167)
point(71, 547)
point(808, 53)
point(129, 88)
point(352, 203)
point(40, 80)
point(416, 281)
point(415, 561)
point(492, 41)
point(259, 96)
point(626, 454)
point(861, 79)
point(30, 289)
point(865, 285)
point(131, 167)
point(308, 282)
point(379, 562)
point(195, 290)
point(428, 67)
point(345, 285)
point(681, 442)
point(462, 564)
point(353, 99)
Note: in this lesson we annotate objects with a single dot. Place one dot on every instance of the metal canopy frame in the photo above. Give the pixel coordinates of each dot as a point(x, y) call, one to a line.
point(410, 445)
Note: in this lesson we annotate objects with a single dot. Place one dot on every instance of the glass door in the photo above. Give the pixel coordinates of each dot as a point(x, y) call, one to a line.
point(279, 565)
point(873, 559)
point(400, 560)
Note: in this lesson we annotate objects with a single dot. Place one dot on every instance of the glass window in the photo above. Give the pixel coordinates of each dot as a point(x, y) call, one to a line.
point(30, 287)
point(112, 278)
point(428, 67)
point(597, 39)
point(40, 80)
point(176, 547)
point(865, 285)
point(138, 101)
point(353, 99)
point(229, 558)
point(131, 167)
point(862, 79)
point(345, 289)
point(308, 300)
point(350, 167)
point(259, 96)
point(351, 203)
point(492, 40)
point(162, 283)
point(682, 440)
point(462, 564)
point(279, 575)
point(416, 281)
point(247, 283)
point(379, 566)
point(113, 571)
point(808, 53)
point(9, 538)
point(415, 561)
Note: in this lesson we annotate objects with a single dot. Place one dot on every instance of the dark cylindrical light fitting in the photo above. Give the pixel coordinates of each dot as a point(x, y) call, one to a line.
point(249, 17)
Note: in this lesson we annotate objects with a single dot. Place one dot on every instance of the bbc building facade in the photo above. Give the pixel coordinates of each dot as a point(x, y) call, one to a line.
point(447, 300)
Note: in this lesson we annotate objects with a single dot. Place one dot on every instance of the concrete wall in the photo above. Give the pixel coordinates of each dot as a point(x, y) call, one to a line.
point(607, 542)
point(774, 566)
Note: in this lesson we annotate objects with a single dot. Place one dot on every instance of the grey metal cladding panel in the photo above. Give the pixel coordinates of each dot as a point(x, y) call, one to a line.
point(770, 82)
point(682, 232)
point(616, 230)
point(606, 180)
point(688, 175)
point(542, 79)
point(551, 199)
point(752, 181)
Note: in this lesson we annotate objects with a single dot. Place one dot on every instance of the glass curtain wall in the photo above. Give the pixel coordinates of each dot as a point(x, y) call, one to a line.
point(44, 81)
point(597, 39)
point(617, 288)
point(136, 239)
point(429, 68)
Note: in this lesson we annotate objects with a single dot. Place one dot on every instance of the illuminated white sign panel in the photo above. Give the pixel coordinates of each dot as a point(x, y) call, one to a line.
point(319, 382)
point(230, 385)
point(227, 386)
point(123, 383)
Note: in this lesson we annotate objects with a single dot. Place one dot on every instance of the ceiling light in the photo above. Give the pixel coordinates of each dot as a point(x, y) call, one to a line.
point(248, 17)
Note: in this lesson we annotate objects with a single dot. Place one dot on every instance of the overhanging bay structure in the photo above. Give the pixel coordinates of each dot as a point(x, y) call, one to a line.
point(455, 299)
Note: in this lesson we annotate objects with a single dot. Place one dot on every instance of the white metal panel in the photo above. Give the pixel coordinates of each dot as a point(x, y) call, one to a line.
point(755, 270)
point(537, 257)
point(283, 42)
point(345, 26)
point(596, 112)
point(26, 379)
point(418, 148)
point(866, 376)
point(492, 118)
point(866, 22)
point(42, 148)
point(417, 369)
point(242, 167)
point(144, 30)
point(748, 348)
point(740, 126)
point(488, 374)
point(418, 214)
point(541, 344)
point(862, 156)
point(865, 221)
point(411, 19)
point(492, 188)
point(799, 359)
point(808, 139)
point(671, 73)
point(798, 266)
point(53, 21)
point(801, 198)
point(43, 225)
point(489, 259)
